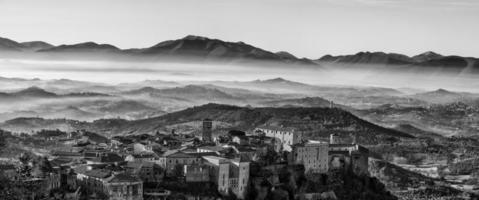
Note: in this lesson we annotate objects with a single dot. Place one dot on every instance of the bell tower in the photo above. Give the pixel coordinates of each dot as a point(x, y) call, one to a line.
point(207, 130)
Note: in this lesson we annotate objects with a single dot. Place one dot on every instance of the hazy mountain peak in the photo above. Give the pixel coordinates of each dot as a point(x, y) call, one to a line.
point(84, 47)
point(366, 57)
point(195, 37)
point(37, 45)
point(278, 79)
point(214, 49)
point(34, 91)
point(285, 55)
point(10, 45)
point(426, 56)
point(441, 90)
point(146, 90)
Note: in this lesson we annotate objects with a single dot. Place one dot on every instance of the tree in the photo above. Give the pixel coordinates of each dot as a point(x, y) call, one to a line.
point(25, 158)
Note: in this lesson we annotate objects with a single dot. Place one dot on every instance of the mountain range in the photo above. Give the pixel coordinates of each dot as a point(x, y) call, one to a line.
point(36, 92)
point(198, 48)
point(427, 59)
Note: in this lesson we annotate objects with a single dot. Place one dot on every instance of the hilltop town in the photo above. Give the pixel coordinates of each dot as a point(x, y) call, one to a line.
point(268, 162)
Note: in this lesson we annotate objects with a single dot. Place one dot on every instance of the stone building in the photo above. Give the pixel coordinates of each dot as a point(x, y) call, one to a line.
point(230, 175)
point(143, 157)
point(170, 160)
point(148, 172)
point(287, 136)
point(124, 187)
point(313, 155)
point(116, 186)
point(197, 173)
point(352, 156)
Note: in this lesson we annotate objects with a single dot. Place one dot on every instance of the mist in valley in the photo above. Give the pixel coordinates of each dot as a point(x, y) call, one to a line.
point(111, 72)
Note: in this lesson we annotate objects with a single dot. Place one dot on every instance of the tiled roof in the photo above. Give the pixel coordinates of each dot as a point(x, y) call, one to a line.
point(98, 173)
point(180, 155)
point(108, 157)
point(214, 160)
point(212, 148)
point(138, 165)
point(145, 155)
point(66, 153)
point(201, 154)
point(60, 161)
point(276, 128)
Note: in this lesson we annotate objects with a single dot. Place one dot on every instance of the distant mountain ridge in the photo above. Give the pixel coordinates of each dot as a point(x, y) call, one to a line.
point(82, 47)
point(198, 48)
point(426, 59)
point(191, 47)
point(36, 92)
point(442, 96)
point(7, 45)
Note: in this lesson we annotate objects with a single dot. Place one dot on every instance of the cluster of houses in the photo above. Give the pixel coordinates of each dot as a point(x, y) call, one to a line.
point(158, 166)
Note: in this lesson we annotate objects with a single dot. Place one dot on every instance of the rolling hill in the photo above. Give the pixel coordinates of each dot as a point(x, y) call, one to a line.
point(442, 96)
point(301, 102)
point(322, 121)
point(457, 119)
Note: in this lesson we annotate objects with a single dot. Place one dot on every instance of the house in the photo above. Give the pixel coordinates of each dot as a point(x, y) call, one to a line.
point(271, 142)
point(170, 141)
point(102, 157)
point(119, 186)
point(148, 172)
point(169, 160)
point(287, 136)
point(143, 157)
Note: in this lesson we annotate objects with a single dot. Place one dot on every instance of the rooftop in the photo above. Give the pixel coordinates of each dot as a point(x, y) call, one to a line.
point(277, 128)
point(123, 178)
point(98, 173)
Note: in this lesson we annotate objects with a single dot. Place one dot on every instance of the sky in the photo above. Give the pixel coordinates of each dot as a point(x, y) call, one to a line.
point(306, 28)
